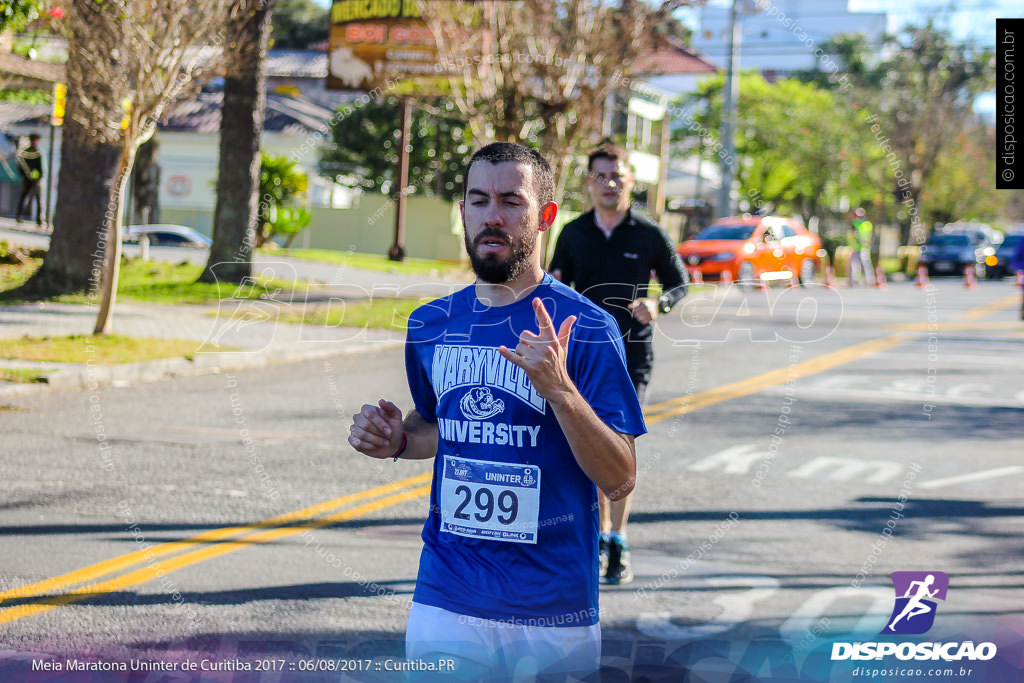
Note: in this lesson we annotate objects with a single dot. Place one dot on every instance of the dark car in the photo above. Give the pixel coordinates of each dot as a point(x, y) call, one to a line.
point(998, 264)
point(950, 252)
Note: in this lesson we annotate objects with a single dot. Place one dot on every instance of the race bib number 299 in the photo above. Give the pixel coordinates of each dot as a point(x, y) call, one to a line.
point(490, 500)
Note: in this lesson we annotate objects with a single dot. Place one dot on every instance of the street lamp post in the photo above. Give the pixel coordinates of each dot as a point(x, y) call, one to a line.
point(732, 95)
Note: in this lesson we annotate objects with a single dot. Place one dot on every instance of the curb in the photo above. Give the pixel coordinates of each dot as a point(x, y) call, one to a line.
point(93, 376)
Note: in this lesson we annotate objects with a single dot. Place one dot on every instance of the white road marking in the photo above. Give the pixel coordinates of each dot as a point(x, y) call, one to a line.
point(736, 460)
point(833, 392)
point(967, 478)
point(1007, 357)
point(737, 608)
point(962, 390)
point(845, 469)
point(742, 459)
point(822, 603)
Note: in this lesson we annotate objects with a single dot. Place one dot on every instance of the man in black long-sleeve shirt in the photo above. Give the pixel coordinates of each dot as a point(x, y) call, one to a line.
point(608, 254)
point(30, 164)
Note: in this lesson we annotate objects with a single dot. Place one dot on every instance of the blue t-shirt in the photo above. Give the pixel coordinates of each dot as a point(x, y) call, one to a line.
point(513, 524)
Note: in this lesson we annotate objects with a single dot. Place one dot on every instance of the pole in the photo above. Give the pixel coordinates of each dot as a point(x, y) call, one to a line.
point(732, 95)
point(49, 178)
point(660, 190)
point(397, 252)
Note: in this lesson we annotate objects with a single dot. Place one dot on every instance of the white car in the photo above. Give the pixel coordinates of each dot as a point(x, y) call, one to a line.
point(163, 235)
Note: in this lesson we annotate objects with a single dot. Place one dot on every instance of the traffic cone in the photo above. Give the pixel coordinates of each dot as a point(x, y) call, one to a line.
point(726, 278)
point(696, 278)
point(1020, 279)
point(880, 281)
point(794, 280)
point(830, 277)
point(970, 281)
point(922, 277)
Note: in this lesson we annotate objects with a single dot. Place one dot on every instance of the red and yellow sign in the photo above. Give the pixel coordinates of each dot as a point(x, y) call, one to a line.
point(375, 40)
point(60, 100)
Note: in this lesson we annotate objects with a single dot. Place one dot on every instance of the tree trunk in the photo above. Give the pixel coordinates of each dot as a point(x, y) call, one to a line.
point(112, 225)
point(88, 171)
point(242, 114)
point(146, 183)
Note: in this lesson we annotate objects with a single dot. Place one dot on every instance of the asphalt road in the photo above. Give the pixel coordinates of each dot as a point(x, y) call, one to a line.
point(784, 429)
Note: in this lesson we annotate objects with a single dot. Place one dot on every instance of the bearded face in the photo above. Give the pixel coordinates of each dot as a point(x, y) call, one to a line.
point(501, 217)
point(498, 257)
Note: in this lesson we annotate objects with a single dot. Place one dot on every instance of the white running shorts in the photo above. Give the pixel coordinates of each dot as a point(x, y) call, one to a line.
point(463, 648)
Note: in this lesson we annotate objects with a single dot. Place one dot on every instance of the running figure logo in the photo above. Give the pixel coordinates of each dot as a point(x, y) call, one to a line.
point(916, 592)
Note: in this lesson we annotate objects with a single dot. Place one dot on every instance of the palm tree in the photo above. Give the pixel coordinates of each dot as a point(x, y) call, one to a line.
point(241, 124)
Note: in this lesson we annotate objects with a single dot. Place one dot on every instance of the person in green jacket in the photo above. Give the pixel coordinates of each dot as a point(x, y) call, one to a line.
point(859, 239)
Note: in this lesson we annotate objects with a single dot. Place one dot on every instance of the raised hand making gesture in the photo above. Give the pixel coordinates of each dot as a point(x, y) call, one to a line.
point(543, 355)
point(606, 456)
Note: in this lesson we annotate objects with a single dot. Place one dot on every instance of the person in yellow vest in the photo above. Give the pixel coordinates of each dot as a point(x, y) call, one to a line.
point(859, 240)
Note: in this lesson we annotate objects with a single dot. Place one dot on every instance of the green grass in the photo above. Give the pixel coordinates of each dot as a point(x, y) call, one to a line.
point(156, 282)
point(381, 314)
point(22, 376)
point(161, 282)
point(379, 262)
point(14, 275)
point(102, 350)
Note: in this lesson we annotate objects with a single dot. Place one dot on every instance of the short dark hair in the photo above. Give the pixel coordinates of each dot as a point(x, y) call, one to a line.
point(498, 152)
point(607, 150)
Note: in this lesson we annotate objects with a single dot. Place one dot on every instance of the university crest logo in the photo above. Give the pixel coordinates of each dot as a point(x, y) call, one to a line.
point(479, 404)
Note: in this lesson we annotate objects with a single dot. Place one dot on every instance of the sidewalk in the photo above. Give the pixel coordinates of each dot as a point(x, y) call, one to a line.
point(252, 344)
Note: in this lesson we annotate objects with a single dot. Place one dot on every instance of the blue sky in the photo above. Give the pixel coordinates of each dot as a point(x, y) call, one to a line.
point(970, 20)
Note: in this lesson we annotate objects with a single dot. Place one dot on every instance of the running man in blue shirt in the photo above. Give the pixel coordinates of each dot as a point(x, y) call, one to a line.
point(523, 399)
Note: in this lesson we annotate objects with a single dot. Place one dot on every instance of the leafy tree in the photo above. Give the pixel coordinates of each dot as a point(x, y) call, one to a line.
point(281, 183)
point(364, 149)
point(799, 149)
point(921, 98)
point(955, 191)
point(539, 72)
point(27, 96)
point(126, 63)
point(15, 14)
point(854, 53)
point(241, 125)
point(298, 24)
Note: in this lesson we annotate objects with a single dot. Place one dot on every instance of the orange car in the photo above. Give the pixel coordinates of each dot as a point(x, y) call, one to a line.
point(753, 248)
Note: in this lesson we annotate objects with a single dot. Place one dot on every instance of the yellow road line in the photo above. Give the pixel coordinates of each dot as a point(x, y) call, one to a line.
point(997, 305)
point(123, 562)
point(160, 569)
point(687, 404)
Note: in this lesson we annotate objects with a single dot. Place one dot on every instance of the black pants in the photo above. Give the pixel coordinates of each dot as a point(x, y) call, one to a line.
point(29, 191)
point(641, 391)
